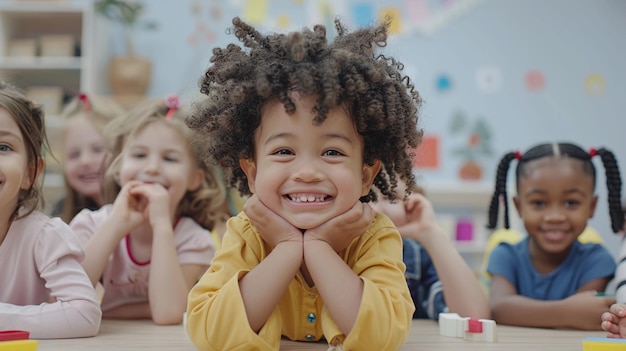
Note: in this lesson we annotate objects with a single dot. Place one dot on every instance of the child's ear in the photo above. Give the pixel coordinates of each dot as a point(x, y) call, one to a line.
point(518, 205)
point(249, 168)
point(33, 174)
point(369, 173)
point(594, 202)
point(195, 179)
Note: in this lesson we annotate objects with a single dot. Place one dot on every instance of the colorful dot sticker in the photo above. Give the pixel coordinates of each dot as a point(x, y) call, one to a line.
point(535, 80)
point(443, 83)
point(595, 84)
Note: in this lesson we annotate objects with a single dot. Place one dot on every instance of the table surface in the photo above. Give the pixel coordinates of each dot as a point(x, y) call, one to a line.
point(144, 335)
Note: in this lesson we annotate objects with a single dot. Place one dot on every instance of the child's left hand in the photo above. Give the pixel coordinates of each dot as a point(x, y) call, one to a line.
point(341, 230)
point(614, 321)
point(157, 202)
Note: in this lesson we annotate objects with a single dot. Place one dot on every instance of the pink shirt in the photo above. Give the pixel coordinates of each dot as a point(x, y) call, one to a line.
point(124, 279)
point(40, 262)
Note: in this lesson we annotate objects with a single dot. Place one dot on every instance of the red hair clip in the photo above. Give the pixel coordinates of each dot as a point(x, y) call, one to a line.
point(518, 155)
point(172, 103)
point(85, 100)
point(593, 152)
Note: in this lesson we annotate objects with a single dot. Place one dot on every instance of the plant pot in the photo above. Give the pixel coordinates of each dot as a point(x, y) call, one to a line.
point(129, 78)
point(470, 170)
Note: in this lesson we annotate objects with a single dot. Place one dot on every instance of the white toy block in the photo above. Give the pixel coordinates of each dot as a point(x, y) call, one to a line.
point(448, 324)
point(489, 330)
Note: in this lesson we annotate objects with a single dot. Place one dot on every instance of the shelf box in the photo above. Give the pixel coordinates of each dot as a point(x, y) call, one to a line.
point(22, 48)
point(50, 97)
point(60, 45)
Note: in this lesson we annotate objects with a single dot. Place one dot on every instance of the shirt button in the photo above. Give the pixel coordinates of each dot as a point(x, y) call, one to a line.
point(309, 337)
point(312, 296)
point(311, 318)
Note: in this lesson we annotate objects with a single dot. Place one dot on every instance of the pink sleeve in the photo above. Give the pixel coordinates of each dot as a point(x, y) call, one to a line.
point(73, 310)
point(84, 224)
point(194, 244)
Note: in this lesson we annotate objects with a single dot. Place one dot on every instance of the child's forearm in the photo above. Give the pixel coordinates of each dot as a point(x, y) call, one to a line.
point(99, 248)
point(167, 289)
point(262, 288)
point(523, 311)
point(340, 288)
point(461, 290)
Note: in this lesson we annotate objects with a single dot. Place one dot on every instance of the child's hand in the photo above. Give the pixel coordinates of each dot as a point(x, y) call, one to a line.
point(421, 219)
point(614, 321)
point(157, 203)
point(586, 309)
point(271, 227)
point(127, 209)
point(341, 230)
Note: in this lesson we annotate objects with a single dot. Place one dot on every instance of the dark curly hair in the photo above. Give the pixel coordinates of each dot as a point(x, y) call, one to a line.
point(382, 102)
point(613, 178)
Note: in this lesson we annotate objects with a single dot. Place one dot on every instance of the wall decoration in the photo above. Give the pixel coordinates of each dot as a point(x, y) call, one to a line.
point(535, 80)
point(595, 84)
point(427, 17)
point(476, 144)
point(443, 83)
point(255, 11)
point(488, 79)
point(363, 14)
point(393, 14)
point(426, 156)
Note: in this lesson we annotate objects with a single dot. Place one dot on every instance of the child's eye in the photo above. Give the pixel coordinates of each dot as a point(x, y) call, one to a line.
point(138, 155)
point(537, 203)
point(170, 159)
point(332, 153)
point(5, 148)
point(283, 152)
point(571, 203)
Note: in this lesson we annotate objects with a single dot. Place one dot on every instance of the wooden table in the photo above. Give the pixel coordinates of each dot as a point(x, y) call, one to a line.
point(144, 335)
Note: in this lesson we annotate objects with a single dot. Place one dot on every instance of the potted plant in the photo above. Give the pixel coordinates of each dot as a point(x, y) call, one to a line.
point(477, 144)
point(129, 74)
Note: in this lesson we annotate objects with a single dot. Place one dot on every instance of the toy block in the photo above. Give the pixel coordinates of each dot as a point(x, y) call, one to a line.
point(448, 324)
point(19, 345)
point(603, 344)
point(473, 330)
point(9, 335)
point(489, 330)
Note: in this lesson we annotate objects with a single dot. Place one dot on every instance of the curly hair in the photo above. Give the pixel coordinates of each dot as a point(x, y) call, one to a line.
point(100, 111)
point(382, 102)
point(613, 178)
point(30, 120)
point(207, 204)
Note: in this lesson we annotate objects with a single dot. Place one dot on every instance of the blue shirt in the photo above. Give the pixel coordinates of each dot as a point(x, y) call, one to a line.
point(585, 262)
point(423, 281)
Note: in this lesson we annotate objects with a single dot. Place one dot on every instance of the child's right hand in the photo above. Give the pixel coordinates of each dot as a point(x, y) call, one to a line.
point(614, 321)
point(271, 227)
point(586, 309)
point(128, 209)
point(421, 219)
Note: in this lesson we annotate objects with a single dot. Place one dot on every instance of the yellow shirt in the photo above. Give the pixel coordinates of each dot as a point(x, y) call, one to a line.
point(216, 318)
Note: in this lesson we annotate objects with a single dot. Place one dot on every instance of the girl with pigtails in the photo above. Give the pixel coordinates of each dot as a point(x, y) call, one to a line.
point(550, 279)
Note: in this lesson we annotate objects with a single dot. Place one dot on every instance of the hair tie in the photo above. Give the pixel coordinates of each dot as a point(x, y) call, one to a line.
point(518, 155)
point(593, 152)
point(172, 103)
point(85, 100)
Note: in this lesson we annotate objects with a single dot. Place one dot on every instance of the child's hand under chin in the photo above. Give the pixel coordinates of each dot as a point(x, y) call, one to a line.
point(152, 200)
point(340, 231)
point(271, 227)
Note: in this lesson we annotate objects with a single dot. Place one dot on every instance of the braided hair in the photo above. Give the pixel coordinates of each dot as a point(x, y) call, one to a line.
point(613, 178)
point(382, 103)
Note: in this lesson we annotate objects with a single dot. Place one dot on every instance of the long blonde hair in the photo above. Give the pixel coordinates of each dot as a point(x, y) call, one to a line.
point(207, 204)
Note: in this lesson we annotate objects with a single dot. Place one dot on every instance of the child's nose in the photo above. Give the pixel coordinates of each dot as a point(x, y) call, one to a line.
point(153, 165)
point(554, 215)
point(308, 171)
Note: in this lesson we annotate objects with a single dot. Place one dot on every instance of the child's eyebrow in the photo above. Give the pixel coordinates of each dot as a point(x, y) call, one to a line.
point(338, 136)
point(6, 133)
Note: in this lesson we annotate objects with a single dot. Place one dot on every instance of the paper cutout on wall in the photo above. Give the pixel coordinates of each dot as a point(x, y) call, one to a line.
point(393, 14)
point(443, 83)
point(363, 14)
point(427, 20)
point(595, 84)
point(426, 156)
point(488, 79)
point(201, 28)
point(535, 80)
point(255, 11)
point(283, 21)
point(475, 146)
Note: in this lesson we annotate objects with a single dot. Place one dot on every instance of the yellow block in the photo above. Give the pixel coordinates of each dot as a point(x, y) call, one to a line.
point(604, 344)
point(18, 345)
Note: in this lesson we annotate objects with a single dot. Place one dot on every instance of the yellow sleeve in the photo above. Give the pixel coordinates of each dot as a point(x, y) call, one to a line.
point(386, 312)
point(216, 317)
